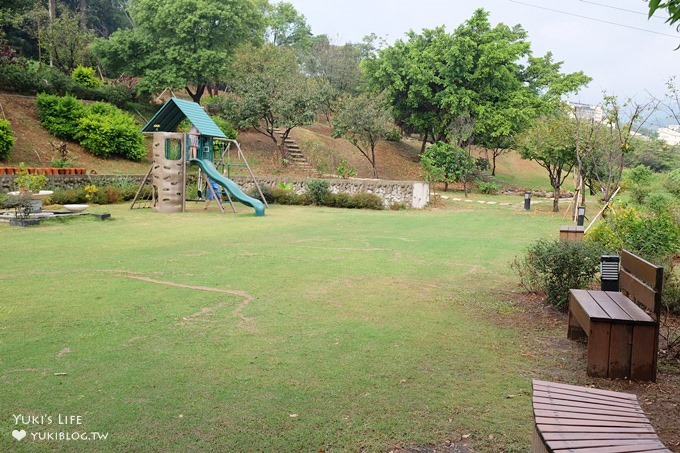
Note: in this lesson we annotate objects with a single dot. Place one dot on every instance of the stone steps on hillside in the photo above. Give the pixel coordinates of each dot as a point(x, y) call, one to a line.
point(294, 154)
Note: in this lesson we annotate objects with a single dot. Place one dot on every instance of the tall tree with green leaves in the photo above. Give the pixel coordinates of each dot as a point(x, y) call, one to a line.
point(550, 143)
point(479, 70)
point(269, 92)
point(364, 120)
point(286, 26)
point(182, 43)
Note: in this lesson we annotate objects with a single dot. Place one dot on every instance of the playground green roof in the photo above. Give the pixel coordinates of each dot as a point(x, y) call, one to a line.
point(175, 110)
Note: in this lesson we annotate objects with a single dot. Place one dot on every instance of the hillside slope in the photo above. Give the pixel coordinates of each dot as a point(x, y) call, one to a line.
point(395, 160)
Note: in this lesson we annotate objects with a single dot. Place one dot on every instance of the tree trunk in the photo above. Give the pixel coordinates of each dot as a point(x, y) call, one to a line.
point(196, 97)
point(422, 146)
point(83, 14)
point(373, 163)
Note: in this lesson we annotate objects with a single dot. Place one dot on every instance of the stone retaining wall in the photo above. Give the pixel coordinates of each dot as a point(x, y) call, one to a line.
point(414, 194)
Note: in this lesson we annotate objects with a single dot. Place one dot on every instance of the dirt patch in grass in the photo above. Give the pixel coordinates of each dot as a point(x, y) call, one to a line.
point(560, 359)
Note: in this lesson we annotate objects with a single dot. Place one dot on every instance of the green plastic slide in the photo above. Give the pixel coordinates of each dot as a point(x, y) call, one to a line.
point(233, 188)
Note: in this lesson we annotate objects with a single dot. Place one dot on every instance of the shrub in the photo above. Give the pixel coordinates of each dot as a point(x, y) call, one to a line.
point(482, 164)
point(488, 188)
point(345, 170)
point(225, 126)
point(341, 200)
point(15, 77)
point(556, 266)
point(653, 237)
point(60, 115)
point(68, 196)
point(110, 133)
point(86, 77)
point(318, 191)
point(6, 139)
point(660, 202)
point(367, 201)
point(672, 183)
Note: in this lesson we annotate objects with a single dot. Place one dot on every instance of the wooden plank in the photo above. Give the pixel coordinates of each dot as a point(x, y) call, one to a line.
point(569, 394)
point(645, 447)
point(549, 417)
point(604, 300)
point(636, 290)
point(620, 406)
point(598, 348)
point(586, 307)
point(644, 353)
point(620, 340)
point(549, 437)
point(565, 444)
point(550, 403)
point(641, 429)
point(536, 383)
point(637, 314)
point(645, 271)
point(537, 444)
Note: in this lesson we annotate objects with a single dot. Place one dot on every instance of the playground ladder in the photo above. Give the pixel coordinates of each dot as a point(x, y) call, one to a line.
point(148, 201)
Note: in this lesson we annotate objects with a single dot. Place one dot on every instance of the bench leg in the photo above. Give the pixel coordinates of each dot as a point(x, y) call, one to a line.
point(643, 354)
point(575, 331)
point(620, 350)
point(598, 349)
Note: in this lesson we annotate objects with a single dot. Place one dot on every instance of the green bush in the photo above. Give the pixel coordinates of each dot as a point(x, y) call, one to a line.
point(6, 139)
point(653, 237)
point(660, 202)
point(318, 190)
point(18, 78)
point(60, 115)
point(672, 183)
point(488, 188)
point(68, 196)
point(367, 201)
point(86, 77)
point(226, 127)
point(107, 131)
point(555, 267)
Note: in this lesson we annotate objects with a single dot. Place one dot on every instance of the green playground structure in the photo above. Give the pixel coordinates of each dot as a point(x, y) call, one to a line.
point(172, 154)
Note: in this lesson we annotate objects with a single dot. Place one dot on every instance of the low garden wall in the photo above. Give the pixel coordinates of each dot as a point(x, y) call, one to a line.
point(414, 194)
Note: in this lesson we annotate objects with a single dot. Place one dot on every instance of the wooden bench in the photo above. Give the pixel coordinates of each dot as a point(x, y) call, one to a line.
point(571, 233)
point(623, 339)
point(570, 418)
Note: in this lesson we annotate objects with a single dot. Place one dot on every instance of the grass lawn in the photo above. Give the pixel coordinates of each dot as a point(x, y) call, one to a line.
point(308, 329)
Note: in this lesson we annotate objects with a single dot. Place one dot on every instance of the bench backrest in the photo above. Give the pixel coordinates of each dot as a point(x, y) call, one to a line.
point(641, 281)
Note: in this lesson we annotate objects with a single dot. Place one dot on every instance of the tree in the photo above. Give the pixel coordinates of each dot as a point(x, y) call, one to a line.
point(479, 70)
point(448, 163)
point(287, 27)
point(268, 92)
point(550, 143)
point(66, 42)
point(182, 43)
point(336, 67)
point(606, 158)
point(364, 120)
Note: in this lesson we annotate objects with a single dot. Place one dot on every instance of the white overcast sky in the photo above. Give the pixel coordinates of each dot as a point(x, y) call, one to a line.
point(622, 59)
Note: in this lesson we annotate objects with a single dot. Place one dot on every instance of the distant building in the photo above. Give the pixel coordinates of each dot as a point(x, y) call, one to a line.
point(670, 134)
point(587, 112)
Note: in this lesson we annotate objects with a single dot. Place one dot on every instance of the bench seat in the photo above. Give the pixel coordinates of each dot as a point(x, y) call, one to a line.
point(570, 418)
point(622, 336)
